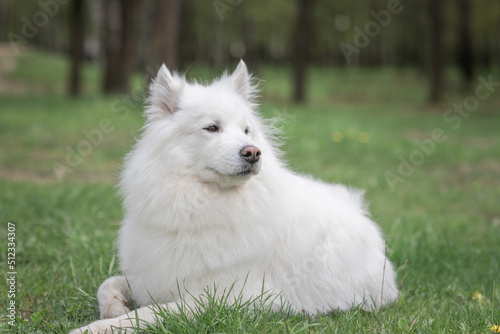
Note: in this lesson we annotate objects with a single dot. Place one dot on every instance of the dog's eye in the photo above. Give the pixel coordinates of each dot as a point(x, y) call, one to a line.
point(212, 128)
point(247, 131)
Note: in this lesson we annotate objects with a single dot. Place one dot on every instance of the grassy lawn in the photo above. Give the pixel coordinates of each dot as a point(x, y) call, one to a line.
point(440, 213)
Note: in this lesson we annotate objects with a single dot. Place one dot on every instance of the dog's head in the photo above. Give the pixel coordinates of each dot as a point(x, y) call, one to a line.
point(210, 131)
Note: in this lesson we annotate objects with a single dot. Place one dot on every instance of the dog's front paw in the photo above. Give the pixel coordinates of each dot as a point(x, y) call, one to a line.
point(90, 329)
point(106, 326)
point(113, 310)
point(114, 297)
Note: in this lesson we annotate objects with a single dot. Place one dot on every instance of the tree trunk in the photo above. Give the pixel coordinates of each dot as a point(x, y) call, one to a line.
point(128, 39)
point(119, 41)
point(250, 40)
point(436, 26)
point(76, 46)
point(164, 34)
point(302, 40)
point(112, 44)
point(216, 55)
point(4, 18)
point(373, 54)
point(465, 56)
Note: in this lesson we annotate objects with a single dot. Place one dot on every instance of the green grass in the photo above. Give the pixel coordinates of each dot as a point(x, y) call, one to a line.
point(443, 220)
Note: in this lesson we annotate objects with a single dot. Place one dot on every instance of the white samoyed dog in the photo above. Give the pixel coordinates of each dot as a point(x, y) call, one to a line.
point(208, 202)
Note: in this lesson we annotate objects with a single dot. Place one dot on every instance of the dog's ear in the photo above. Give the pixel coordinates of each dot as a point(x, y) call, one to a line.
point(243, 82)
point(164, 94)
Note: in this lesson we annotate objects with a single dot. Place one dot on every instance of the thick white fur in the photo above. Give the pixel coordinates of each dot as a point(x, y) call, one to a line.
point(192, 221)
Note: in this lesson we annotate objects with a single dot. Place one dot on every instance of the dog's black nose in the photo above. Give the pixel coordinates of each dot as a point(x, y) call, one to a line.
point(251, 154)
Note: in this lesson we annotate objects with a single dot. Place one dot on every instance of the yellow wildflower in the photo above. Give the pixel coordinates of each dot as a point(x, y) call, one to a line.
point(337, 136)
point(477, 296)
point(495, 328)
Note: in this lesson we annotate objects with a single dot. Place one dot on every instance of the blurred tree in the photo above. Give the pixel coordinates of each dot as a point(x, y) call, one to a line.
point(485, 28)
point(373, 54)
point(220, 32)
point(76, 46)
point(4, 14)
point(164, 34)
point(435, 9)
point(465, 55)
point(302, 44)
point(119, 41)
point(251, 53)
